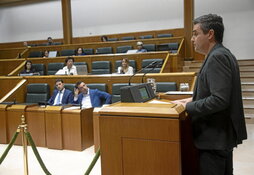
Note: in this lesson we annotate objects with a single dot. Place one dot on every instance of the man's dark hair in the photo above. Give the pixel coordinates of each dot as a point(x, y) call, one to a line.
point(78, 83)
point(59, 80)
point(211, 21)
point(69, 58)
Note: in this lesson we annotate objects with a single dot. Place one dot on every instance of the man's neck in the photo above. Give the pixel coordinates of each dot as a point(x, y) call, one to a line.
point(210, 47)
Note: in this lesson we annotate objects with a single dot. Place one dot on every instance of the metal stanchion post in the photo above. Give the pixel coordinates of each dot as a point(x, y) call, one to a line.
point(23, 128)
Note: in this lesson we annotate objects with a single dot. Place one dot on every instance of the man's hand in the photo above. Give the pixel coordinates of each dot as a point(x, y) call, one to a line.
point(183, 101)
point(76, 92)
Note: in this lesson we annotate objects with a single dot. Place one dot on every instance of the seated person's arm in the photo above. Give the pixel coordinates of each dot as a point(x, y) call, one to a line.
point(75, 98)
point(105, 96)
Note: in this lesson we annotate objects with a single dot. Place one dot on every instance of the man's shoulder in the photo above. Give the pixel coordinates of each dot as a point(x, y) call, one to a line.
point(68, 91)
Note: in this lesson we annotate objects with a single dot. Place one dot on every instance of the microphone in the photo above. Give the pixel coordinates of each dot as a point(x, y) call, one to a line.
point(148, 66)
point(157, 64)
point(80, 105)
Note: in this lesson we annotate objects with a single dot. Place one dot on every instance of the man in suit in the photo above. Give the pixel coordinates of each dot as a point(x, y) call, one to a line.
point(61, 95)
point(216, 108)
point(90, 97)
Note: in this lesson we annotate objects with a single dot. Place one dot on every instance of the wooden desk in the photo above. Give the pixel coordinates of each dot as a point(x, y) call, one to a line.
point(141, 138)
point(35, 118)
point(14, 114)
point(54, 136)
point(3, 123)
point(77, 128)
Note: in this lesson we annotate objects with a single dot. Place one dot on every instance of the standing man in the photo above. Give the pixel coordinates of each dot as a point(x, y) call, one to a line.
point(216, 109)
point(90, 97)
point(61, 95)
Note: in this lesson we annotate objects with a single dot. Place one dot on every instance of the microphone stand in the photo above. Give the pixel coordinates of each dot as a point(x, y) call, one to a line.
point(156, 65)
point(151, 64)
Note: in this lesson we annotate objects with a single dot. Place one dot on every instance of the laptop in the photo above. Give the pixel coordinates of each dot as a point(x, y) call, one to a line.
point(132, 51)
point(52, 54)
point(82, 69)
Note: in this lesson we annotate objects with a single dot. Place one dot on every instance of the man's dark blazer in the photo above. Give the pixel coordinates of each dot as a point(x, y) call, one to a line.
point(217, 110)
point(98, 98)
point(67, 97)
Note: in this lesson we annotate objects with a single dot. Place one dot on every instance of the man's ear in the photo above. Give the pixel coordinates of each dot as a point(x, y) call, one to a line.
point(211, 34)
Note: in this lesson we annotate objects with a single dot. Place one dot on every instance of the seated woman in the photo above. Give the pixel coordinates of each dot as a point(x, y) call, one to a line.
point(79, 52)
point(28, 68)
point(46, 54)
point(125, 68)
point(70, 69)
point(140, 48)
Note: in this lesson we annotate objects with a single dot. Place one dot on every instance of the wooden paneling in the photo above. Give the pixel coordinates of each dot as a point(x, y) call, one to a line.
point(172, 63)
point(88, 39)
point(77, 126)
point(35, 118)
point(54, 133)
point(67, 21)
point(139, 144)
point(7, 84)
point(3, 123)
point(109, 79)
point(8, 65)
point(11, 53)
point(188, 18)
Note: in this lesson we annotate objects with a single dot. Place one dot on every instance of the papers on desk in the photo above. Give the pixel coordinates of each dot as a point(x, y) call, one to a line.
point(159, 102)
point(72, 108)
point(179, 93)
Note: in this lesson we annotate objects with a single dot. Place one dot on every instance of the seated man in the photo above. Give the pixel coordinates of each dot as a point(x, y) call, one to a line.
point(61, 95)
point(90, 97)
point(140, 48)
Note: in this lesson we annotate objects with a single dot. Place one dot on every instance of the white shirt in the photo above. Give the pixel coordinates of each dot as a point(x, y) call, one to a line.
point(72, 71)
point(130, 70)
point(61, 97)
point(86, 100)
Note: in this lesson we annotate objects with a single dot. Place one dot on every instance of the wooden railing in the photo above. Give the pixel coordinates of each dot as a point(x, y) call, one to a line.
point(88, 39)
point(7, 84)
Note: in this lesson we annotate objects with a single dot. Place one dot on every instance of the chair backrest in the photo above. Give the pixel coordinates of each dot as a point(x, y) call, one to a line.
point(79, 63)
point(132, 63)
point(37, 92)
point(42, 44)
point(101, 67)
point(166, 86)
point(163, 35)
point(39, 68)
point(128, 38)
point(146, 37)
point(112, 39)
point(54, 67)
point(123, 49)
point(146, 62)
point(104, 50)
point(99, 86)
point(57, 43)
point(67, 52)
point(149, 47)
point(35, 54)
point(88, 51)
point(116, 91)
point(173, 47)
point(70, 86)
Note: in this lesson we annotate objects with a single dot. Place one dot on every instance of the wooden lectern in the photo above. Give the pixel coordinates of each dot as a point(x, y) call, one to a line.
point(142, 139)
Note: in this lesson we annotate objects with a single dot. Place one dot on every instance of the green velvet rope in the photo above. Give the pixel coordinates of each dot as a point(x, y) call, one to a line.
point(31, 142)
point(14, 137)
point(97, 155)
